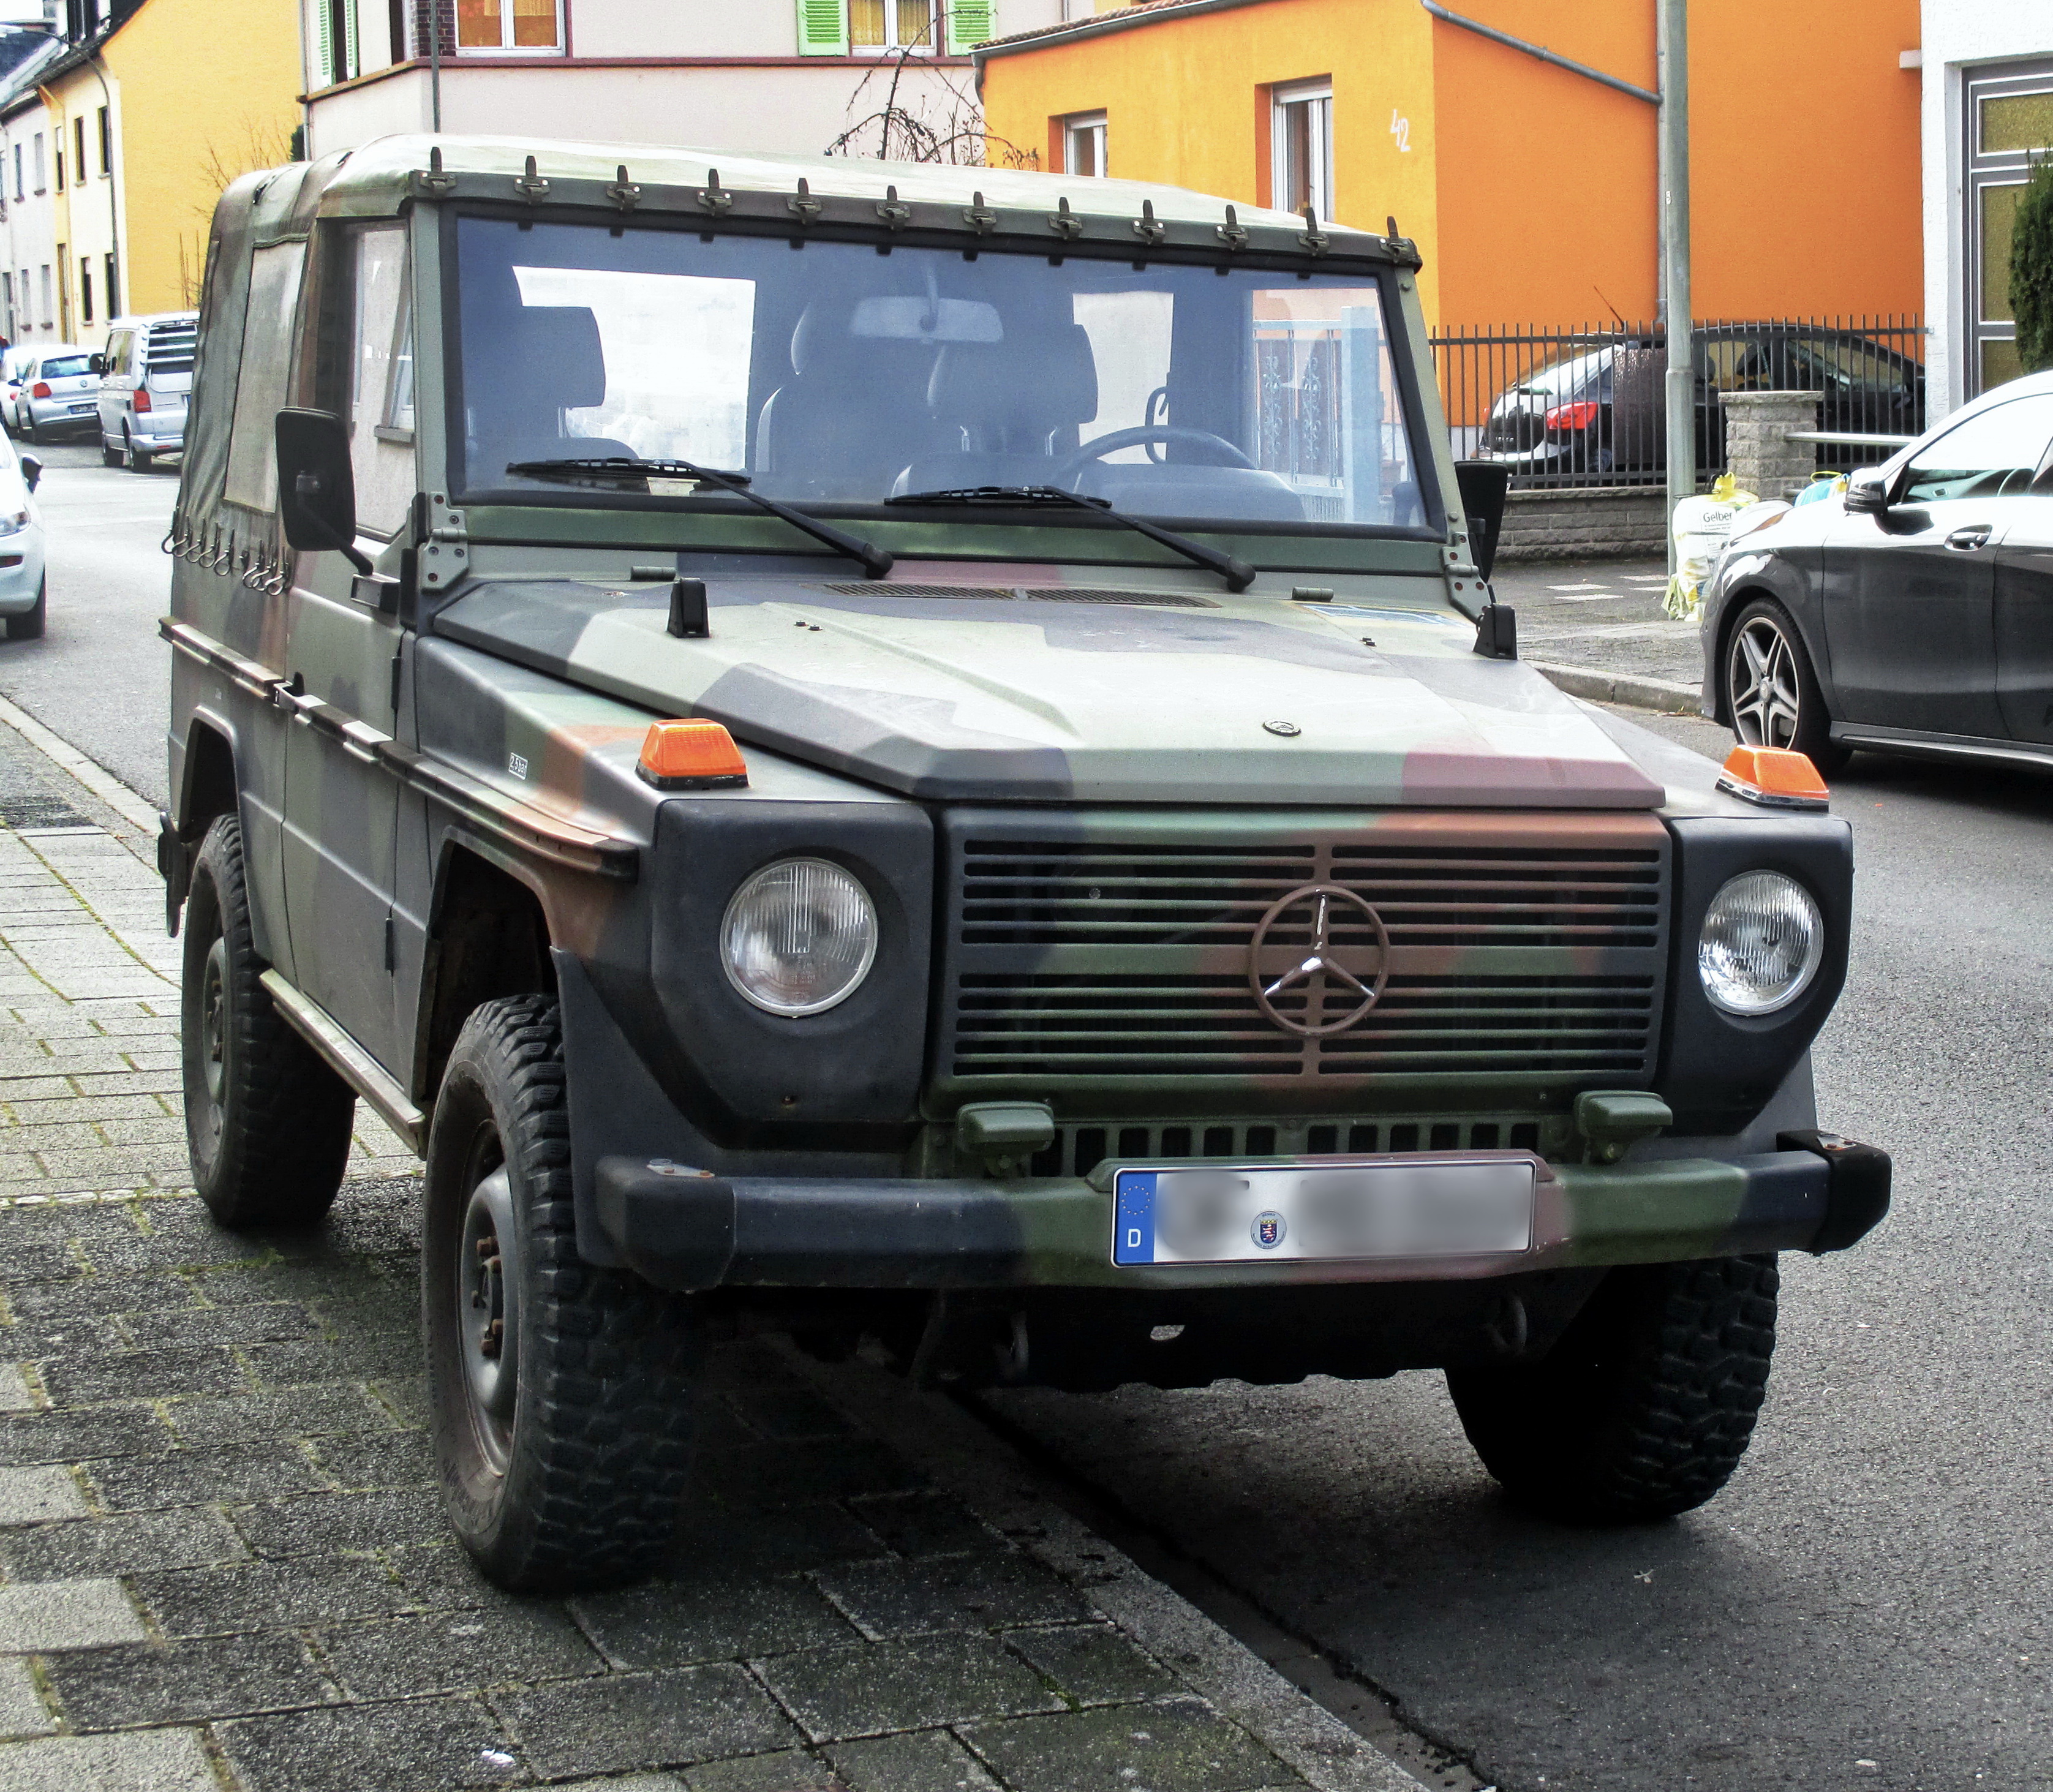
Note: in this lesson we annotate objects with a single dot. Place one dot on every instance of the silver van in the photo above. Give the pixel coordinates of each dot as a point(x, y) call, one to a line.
point(147, 377)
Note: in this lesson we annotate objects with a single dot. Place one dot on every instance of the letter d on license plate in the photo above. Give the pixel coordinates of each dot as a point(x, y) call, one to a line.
point(1420, 1207)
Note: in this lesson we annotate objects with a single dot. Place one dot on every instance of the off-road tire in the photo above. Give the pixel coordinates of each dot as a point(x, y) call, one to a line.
point(606, 1365)
point(1646, 1405)
point(267, 1122)
point(30, 624)
point(1764, 618)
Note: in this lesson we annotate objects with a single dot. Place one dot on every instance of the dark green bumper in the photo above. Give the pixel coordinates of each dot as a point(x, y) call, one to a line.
point(686, 1229)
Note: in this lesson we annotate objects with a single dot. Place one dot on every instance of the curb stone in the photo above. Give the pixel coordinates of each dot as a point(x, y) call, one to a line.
point(984, 1471)
point(1662, 694)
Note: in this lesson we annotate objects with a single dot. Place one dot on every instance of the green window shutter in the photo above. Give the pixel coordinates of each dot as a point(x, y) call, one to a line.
point(823, 27)
point(352, 65)
point(324, 45)
point(970, 23)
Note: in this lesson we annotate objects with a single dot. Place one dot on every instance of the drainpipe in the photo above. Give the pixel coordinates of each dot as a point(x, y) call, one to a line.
point(435, 63)
point(113, 179)
point(1674, 40)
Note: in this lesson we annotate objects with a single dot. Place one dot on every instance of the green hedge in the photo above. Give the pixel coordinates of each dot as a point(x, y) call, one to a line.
point(2031, 269)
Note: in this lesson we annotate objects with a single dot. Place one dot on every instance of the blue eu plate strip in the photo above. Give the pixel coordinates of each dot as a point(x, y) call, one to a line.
point(1134, 1241)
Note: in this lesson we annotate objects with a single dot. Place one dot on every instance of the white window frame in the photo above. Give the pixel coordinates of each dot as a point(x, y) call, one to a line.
point(929, 44)
point(1319, 178)
point(1085, 127)
point(506, 32)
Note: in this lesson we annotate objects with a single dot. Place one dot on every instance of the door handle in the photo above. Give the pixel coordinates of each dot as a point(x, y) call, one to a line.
point(1967, 540)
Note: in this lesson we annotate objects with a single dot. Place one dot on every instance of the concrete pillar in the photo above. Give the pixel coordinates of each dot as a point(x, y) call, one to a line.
point(1757, 450)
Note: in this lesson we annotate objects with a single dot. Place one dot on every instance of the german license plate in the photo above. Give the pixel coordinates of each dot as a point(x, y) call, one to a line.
point(80, 410)
point(1412, 1206)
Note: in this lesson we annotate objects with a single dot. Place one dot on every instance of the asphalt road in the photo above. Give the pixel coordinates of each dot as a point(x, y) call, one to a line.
point(1869, 1603)
point(100, 676)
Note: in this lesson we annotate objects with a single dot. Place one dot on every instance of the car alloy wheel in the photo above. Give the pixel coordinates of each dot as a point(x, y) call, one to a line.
point(1765, 684)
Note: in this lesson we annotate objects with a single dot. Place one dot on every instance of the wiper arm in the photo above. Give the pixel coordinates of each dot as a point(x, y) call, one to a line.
point(1238, 574)
point(615, 468)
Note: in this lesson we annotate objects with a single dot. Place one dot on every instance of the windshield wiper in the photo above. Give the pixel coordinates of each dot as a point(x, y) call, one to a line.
point(615, 468)
point(1238, 574)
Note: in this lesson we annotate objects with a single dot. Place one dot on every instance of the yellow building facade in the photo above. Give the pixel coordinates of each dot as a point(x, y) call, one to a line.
point(151, 118)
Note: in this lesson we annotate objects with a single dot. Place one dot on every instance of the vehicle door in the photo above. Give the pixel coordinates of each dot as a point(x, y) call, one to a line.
point(342, 808)
point(2024, 611)
point(115, 381)
point(1910, 592)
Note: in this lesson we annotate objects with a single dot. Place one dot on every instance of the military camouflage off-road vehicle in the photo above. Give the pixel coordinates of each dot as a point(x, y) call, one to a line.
point(923, 755)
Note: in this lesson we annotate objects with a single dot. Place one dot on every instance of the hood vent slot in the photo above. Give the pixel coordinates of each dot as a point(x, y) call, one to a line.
point(1050, 594)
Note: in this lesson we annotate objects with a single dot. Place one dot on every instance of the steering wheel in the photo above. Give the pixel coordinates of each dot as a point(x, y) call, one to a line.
point(1097, 448)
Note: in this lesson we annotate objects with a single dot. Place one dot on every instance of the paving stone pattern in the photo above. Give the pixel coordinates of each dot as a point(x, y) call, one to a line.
point(225, 1565)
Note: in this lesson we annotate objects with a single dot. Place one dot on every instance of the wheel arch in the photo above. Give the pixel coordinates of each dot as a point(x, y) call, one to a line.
point(488, 935)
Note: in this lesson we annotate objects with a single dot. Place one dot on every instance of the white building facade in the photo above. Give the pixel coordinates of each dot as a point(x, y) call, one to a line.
point(1987, 72)
point(780, 75)
point(31, 287)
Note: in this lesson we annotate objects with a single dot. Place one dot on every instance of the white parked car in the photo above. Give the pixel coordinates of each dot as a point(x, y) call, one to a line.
point(12, 363)
point(22, 589)
point(60, 393)
point(147, 370)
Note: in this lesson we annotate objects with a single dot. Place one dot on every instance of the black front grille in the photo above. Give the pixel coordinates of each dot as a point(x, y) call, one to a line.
point(1525, 951)
point(1077, 1150)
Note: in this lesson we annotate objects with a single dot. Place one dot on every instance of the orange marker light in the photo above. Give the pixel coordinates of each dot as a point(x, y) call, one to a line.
point(691, 756)
point(1773, 776)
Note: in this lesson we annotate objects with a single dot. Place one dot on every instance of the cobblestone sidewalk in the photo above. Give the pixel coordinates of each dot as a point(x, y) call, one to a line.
point(225, 1564)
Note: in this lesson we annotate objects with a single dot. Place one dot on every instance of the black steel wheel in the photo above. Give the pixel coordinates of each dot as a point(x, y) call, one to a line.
point(561, 1394)
point(267, 1122)
point(1644, 1407)
point(29, 624)
point(1771, 691)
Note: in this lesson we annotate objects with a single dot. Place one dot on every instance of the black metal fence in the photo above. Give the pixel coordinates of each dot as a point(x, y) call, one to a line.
point(1572, 407)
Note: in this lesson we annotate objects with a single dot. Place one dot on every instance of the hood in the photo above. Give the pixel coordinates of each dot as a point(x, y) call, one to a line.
point(1056, 691)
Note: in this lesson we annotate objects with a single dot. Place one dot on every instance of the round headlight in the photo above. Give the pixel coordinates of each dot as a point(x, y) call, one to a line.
point(798, 936)
point(1762, 942)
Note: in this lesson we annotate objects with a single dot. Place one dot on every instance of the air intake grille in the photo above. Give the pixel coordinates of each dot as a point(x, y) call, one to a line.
point(1052, 594)
point(1524, 953)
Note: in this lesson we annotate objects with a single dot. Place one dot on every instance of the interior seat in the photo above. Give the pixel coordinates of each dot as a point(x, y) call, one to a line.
point(554, 363)
point(853, 413)
point(1014, 409)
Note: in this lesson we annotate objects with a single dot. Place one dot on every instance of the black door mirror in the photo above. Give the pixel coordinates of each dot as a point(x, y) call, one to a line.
point(316, 485)
point(1867, 491)
point(97, 363)
point(32, 471)
point(1483, 485)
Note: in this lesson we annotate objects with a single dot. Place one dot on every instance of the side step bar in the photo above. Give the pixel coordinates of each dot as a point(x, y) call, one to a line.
point(350, 1061)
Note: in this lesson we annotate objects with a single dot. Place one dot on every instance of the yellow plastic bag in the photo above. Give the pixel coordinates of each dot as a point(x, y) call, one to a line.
point(1699, 527)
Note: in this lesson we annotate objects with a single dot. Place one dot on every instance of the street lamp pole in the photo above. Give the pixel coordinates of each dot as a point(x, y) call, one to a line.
point(1672, 39)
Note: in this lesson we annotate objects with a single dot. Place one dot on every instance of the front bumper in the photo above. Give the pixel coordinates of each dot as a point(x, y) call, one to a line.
point(694, 1231)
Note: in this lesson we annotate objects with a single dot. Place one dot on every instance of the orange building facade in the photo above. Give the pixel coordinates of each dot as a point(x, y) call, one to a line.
point(1530, 191)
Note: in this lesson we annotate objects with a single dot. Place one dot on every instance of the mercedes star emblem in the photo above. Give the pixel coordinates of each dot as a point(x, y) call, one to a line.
point(1319, 965)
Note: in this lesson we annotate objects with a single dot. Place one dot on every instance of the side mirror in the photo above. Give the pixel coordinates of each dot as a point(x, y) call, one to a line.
point(316, 485)
point(32, 471)
point(97, 363)
point(1484, 485)
point(1867, 491)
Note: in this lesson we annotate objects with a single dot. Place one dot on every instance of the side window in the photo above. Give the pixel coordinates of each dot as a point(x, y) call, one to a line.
point(1992, 454)
point(121, 352)
point(261, 379)
point(381, 380)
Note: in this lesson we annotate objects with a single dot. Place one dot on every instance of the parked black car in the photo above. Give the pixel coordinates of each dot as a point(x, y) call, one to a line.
point(1914, 615)
point(1600, 411)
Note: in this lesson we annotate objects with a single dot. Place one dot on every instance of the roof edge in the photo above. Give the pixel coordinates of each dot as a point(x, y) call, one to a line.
point(1130, 19)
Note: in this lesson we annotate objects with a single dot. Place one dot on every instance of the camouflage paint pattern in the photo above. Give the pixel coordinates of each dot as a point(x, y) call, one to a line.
point(534, 673)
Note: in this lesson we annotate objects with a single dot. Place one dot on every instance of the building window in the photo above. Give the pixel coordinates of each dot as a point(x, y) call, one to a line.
point(1083, 143)
point(57, 157)
point(49, 311)
point(335, 53)
point(889, 25)
point(20, 191)
point(7, 294)
point(106, 142)
point(42, 172)
point(85, 289)
point(78, 141)
point(113, 288)
point(2009, 119)
point(1300, 154)
point(528, 27)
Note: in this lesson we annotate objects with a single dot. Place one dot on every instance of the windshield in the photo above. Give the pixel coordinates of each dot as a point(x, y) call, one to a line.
point(837, 374)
